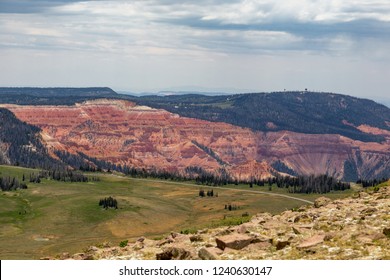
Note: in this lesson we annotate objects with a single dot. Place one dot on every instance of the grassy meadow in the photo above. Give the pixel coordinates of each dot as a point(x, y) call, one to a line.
point(54, 217)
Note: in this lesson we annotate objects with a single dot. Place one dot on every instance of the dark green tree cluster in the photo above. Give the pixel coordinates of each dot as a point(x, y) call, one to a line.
point(209, 193)
point(303, 184)
point(11, 184)
point(209, 151)
point(371, 183)
point(311, 184)
point(204, 177)
point(108, 202)
point(231, 207)
point(64, 176)
point(76, 161)
point(281, 167)
point(35, 178)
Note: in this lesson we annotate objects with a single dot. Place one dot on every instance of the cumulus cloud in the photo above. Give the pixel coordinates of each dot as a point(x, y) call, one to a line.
point(226, 26)
point(204, 30)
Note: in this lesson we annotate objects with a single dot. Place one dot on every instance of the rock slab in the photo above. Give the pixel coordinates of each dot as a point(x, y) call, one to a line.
point(234, 241)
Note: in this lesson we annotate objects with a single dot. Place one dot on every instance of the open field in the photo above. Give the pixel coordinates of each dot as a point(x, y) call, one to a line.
point(54, 217)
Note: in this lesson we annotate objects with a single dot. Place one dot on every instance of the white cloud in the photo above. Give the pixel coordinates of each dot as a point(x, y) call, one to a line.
point(206, 38)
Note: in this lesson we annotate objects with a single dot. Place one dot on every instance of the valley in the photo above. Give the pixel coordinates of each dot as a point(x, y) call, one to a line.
point(53, 217)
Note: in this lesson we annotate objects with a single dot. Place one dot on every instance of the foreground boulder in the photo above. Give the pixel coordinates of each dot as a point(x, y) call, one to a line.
point(234, 241)
point(321, 201)
point(312, 241)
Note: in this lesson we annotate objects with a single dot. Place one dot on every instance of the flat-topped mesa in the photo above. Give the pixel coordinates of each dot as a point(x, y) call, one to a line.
point(107, 101)
point(122, 104)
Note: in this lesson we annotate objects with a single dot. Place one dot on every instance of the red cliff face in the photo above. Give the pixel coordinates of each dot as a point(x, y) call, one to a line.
point(121, 132)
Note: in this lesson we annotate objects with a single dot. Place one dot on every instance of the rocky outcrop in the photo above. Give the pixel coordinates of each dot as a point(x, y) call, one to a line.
point(353, 228)
point(124, 133)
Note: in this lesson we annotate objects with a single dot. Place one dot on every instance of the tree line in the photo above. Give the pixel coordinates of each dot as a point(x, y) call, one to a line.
point(371, 183)
point(311, 184)
point(11, 184)
point(61, 175)
point(294, 184)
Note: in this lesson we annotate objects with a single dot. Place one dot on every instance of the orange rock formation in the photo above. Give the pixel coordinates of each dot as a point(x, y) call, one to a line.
point(122, 132)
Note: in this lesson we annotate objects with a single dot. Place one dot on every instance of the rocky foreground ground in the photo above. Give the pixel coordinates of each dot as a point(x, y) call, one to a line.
point(351, 228)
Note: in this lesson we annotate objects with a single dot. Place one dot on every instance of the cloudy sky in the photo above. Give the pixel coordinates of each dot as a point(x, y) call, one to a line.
point(213, 45)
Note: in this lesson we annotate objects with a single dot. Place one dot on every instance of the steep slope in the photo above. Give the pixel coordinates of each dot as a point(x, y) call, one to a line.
point(21, 143)
point(122, 132)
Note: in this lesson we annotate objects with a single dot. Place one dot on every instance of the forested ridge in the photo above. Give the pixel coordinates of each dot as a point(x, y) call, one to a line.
point(53, 96)
point(298, 111)
point(20, 143)
point(304, 112)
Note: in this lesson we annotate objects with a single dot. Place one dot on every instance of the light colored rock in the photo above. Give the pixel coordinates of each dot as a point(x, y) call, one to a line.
point(368, 211)
point(209, 253)
point(321, 201)
point(261, 238)
point(312, 241)
point(242, 229)
point(363, 195)
point(260, 246)
point(165, 241)
point(234, 241)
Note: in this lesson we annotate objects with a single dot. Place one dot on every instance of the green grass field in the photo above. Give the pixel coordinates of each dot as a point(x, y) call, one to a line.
point(55, 217)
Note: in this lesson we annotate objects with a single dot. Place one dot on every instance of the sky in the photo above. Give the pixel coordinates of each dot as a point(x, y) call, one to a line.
point(205, 45)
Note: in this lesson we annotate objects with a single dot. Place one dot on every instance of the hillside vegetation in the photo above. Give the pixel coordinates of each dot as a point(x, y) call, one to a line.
point(305, 112)
point(53, 96)
point(52, 216)
point(20, 143)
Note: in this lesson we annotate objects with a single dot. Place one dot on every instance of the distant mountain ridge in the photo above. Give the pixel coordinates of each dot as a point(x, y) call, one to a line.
point(248, 134)
point(53, 96)
point(303, 112)
point(297, 111)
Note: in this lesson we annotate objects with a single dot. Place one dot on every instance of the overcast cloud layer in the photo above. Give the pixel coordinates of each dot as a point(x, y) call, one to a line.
point(339, 46)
